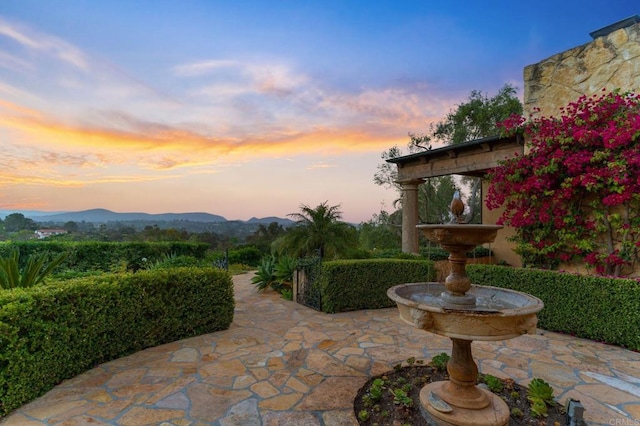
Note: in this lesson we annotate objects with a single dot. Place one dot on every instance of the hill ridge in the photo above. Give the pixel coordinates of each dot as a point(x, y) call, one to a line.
point(102, 215)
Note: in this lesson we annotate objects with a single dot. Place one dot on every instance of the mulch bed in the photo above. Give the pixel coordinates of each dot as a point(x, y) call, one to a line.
point(384, 411)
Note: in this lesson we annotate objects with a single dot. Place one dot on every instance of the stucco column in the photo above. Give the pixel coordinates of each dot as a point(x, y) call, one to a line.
point(410, 215)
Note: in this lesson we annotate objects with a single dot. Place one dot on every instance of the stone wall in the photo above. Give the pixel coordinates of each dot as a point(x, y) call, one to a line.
point(608, 62)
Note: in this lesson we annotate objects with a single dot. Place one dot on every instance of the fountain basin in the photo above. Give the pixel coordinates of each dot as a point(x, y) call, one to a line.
point(499, 314)
point(460, 235)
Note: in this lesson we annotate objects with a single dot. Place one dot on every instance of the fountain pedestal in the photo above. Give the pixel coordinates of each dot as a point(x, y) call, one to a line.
point(470, 404)
point(464, 312)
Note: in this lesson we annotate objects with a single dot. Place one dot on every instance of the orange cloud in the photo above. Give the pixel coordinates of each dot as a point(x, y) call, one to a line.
point(149, 138)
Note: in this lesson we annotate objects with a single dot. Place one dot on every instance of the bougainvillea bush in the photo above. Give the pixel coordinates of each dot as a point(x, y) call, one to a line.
point(575, 195)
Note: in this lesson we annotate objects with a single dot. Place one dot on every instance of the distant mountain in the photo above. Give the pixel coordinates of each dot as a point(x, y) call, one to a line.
point(104, 216)
point(107, 216)
point(32, 214)
point(270, 219)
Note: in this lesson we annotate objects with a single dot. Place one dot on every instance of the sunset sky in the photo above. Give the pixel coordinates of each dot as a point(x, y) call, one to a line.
point(248, 108)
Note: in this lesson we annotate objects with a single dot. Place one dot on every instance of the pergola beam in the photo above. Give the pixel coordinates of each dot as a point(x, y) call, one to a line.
point(473, 158)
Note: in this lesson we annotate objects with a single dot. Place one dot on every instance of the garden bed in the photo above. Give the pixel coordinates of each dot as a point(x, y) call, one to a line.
point(400, 409)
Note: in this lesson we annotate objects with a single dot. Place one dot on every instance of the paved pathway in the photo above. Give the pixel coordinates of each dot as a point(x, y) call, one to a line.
point(284, 364)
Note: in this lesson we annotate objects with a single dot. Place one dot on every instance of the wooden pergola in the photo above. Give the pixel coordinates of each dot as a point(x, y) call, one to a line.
point(472, 158)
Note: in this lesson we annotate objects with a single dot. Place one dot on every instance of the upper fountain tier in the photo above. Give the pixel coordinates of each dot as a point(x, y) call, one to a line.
point(460, 235)
point(458, 240)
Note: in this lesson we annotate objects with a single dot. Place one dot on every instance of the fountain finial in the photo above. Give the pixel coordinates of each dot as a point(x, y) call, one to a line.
point(457, 207)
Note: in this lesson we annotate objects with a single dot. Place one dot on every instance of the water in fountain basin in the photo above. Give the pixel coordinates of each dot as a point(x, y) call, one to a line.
point(484, 304)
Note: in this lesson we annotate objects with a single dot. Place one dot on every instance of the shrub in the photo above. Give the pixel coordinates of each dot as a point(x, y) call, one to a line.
point(32, 273)
point(172, 261)
point(104, 256)
point(276, 273)
point(575, 194)
point(246, 255)
point(433, 253)
point(265, 275)
point(596, 308)
point(54, 332)
point(347, 285)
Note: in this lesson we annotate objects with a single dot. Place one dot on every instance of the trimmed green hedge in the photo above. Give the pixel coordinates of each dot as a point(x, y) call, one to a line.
point(595, 308)
point(52, 332)
point(105, 256)
point(349, 285)
point(433, 253)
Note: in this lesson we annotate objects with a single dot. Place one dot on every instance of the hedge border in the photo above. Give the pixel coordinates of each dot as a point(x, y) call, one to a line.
point(596, 308)
point(52, 332)
point(350, 285)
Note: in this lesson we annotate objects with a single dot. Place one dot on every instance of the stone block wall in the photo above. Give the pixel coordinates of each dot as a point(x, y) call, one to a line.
point(608, 62)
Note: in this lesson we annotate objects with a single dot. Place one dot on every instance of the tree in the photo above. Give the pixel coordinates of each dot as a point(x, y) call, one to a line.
point(435, 198)
point(476, 118)
point(379, 233)
point(264, 236)
point(576, 194)
point(318, 230)
point(17, 222)
point(71, 226)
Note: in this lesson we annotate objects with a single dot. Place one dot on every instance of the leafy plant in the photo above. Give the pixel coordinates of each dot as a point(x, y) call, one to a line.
point(283, 271)
point(401, 397)
point(275, 273)
point(363, 415)
point(493, 383)
point(516, 412)
point(539, 389)
point(377, 387)
point(33, 273)
point(265, 274)
point(439, 362)
point(539, 393)
point(287, 294)
point(539, 408)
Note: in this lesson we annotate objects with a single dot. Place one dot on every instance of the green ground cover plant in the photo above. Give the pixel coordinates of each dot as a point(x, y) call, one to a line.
point(392, 398)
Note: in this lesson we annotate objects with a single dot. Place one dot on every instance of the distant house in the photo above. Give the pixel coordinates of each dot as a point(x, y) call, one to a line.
point(44, 233)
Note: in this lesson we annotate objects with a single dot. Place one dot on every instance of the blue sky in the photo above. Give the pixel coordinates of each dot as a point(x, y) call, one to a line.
point(247, 108)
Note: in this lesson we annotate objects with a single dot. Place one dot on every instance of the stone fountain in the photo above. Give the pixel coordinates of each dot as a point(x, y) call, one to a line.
point(464, 313)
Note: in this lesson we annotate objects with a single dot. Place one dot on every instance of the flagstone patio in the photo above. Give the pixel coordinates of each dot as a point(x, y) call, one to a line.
point(281, 363)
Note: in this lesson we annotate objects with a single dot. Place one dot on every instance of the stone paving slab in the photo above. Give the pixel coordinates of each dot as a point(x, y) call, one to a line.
point(281, 363)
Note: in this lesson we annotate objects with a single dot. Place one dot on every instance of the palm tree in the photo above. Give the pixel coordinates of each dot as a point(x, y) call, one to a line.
point(318, 230)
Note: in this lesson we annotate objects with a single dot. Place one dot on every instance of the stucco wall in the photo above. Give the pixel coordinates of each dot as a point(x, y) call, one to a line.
point(502, 249)
point(609, 62)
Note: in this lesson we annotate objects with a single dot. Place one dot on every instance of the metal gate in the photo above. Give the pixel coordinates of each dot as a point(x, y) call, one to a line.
point(306, 290)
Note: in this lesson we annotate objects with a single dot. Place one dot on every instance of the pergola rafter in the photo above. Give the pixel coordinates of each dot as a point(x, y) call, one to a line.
point(472, 158)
